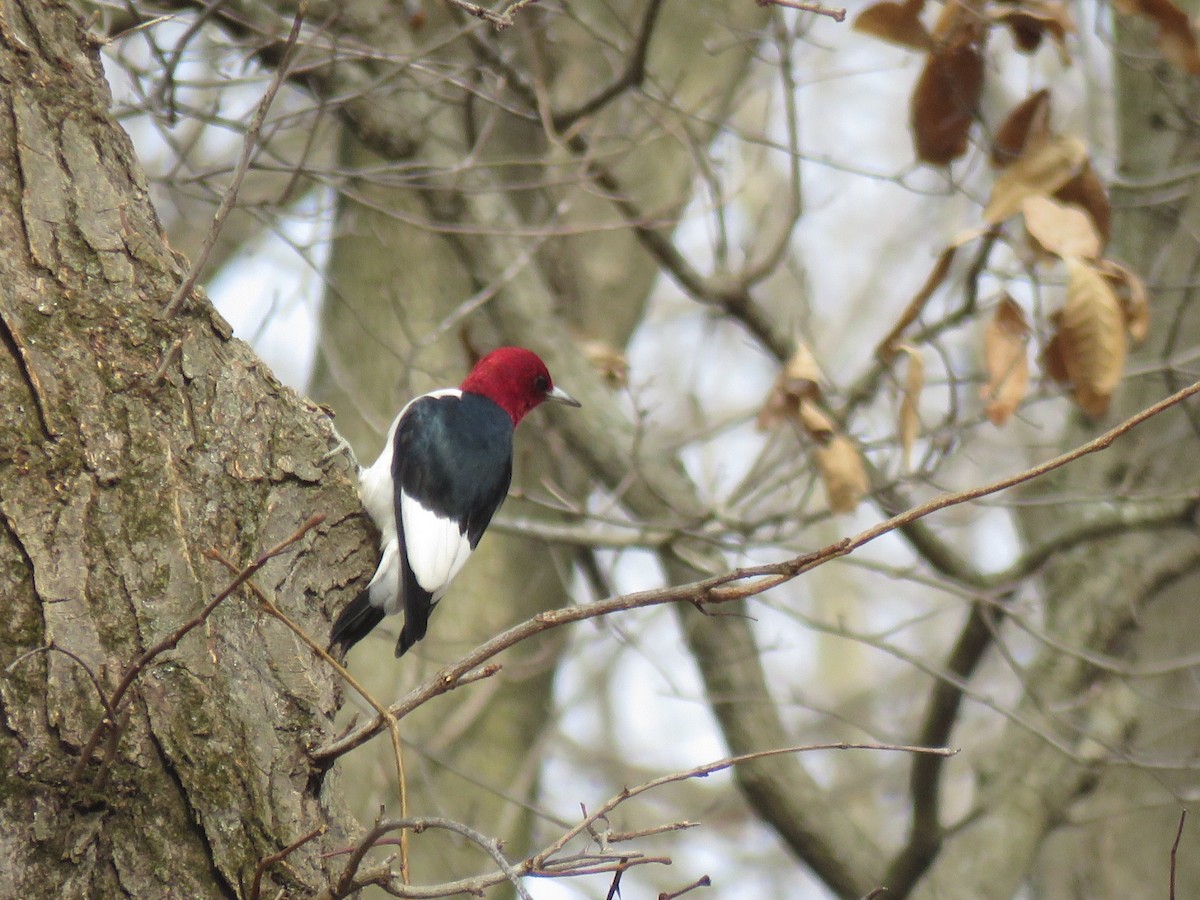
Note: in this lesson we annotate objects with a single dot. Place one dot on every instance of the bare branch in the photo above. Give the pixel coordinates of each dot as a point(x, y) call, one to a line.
point(631, 77)
point(708, 769)
point(267, 861)
point(347, 883)
point(548, 862)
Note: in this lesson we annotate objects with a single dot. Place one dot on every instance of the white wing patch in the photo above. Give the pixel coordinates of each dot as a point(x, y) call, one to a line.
point(384, 589)
point(437, 550)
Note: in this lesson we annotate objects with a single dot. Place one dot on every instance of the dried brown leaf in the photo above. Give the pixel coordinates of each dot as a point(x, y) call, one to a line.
point(1060, 229)
point(1131, 294)
point(1006, 361)
point(954, 17)
point(1087, 191)
point(818, 425)
point(1052, 360)
point(909, 425)
point(803, 374)
point(1026, 123)
point(1091, 335)
point(777, 408)
point(896, 23)
point(842, 471)
point(1043, 168)
point(945, 99)
point(799, 379)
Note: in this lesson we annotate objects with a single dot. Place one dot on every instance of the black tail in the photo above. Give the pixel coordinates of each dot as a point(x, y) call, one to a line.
point(355, 622)
point(413, 630)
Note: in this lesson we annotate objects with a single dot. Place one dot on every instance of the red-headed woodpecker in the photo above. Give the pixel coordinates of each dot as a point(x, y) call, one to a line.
point(443, 473)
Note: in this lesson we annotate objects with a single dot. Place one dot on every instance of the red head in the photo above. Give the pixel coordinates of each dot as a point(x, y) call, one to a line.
point(516, 379)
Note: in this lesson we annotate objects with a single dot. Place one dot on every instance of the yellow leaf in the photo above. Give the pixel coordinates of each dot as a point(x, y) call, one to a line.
point(910, 420)
point(842, 471)
point(1006, 361)
point(1091, 337)
point(1060, 228)
point(1042, 168)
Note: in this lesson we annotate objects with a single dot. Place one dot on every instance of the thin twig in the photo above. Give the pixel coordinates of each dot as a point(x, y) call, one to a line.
point(267, 861)
point(710, 768)
point(632, 77)
point(702, 881)
point(53, 647)
point(837, 13)
point(512, 874)
point(1175, 849)
point(346, 884)
point(249, 144)
point(547, 863)
point(617, 837)
point(614, 889)
point(114, 723)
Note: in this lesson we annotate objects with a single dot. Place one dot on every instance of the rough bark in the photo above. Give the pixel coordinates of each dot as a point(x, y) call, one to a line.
point(133, 444)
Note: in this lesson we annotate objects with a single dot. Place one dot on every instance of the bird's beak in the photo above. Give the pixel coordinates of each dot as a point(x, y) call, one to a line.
point(558, 395)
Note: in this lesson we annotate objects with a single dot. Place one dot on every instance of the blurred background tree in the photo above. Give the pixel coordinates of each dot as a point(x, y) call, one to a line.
point(803, 274)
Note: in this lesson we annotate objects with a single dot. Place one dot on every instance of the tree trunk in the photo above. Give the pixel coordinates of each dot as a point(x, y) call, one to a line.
point(137, 443)
point(1128, 819)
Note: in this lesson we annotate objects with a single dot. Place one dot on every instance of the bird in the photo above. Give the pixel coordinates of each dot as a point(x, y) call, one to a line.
point(444, 471)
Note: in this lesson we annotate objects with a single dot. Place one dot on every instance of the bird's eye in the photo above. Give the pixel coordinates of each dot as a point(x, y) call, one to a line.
point(541, 384)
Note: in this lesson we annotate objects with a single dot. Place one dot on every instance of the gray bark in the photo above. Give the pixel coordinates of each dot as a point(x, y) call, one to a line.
point(133, 444)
